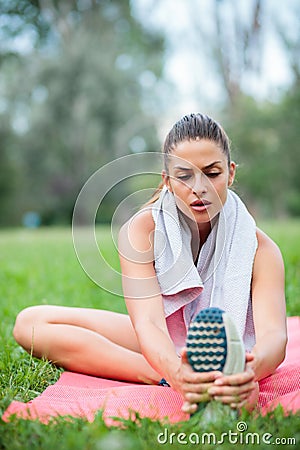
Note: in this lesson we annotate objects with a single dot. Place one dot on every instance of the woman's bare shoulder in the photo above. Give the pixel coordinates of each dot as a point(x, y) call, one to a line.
point(268, 252)
point(137, 233)
point(265, 243)
point(142, 222)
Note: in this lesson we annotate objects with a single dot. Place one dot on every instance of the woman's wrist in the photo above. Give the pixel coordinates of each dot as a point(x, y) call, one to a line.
point(172, 373)
point(254, 363)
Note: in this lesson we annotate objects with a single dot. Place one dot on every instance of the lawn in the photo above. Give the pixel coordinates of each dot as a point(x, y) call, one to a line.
point(40, 267)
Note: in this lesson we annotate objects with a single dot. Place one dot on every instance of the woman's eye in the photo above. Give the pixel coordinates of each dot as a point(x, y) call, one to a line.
point(213, 174)
point(183, 177)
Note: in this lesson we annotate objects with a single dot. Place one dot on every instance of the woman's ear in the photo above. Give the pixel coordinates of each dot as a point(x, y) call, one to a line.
point(232, 170)
point(166, 180)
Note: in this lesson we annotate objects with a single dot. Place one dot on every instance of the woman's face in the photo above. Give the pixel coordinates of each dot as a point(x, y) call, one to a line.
point(199, 177)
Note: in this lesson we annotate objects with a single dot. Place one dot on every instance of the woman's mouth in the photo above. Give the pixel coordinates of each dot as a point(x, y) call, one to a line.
point(200, 205)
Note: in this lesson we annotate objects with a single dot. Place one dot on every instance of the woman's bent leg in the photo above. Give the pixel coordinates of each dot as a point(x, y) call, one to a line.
point(95, 342)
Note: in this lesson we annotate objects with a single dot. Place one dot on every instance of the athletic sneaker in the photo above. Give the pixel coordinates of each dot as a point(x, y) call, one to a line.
point(213, 343)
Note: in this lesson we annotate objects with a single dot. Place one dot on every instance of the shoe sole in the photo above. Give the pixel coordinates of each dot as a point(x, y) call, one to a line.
point(213, 343)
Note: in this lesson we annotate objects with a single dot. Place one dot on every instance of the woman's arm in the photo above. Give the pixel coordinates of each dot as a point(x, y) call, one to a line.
point(268, 303)
point(142, 293)
point(145, 307)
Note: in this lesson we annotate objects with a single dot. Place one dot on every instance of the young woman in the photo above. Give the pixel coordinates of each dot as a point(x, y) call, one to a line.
point(194, 245)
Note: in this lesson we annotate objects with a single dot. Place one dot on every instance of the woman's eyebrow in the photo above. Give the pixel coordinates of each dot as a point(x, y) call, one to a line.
point(182, 168)
point(209, 166)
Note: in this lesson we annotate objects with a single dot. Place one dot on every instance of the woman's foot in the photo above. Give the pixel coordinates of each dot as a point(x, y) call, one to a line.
point(213, 343)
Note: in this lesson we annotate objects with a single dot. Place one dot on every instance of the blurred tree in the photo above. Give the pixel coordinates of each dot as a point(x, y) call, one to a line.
point(7, 173)
point(265, 134)
point(287, 126)
point(288, 116)
point(83, 97)
point(266, 144)
point(20, 17)
point(256, 148)
point(232, 43)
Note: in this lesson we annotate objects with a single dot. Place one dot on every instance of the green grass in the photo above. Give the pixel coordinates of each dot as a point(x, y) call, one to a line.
point(40, 266)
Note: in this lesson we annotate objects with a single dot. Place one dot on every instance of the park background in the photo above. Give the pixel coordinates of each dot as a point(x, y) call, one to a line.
point(83, 82)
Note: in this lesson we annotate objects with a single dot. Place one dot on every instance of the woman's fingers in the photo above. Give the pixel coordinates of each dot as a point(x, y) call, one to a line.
point(191, 377)
point(197, 398)
point(249, 357)
point(236, 379)
point(230, 399)
point(189, 408)
point(231, 390)
point(196, 393)
point(198, 388)
point(184, 357)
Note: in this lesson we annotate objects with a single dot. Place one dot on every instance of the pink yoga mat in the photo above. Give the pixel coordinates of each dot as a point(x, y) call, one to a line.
point(80, 395)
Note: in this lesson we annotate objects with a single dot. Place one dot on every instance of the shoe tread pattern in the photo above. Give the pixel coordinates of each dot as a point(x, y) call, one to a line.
point(206, 341)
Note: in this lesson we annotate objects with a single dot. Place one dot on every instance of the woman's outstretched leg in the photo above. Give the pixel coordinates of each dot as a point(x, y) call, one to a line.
point(94, 342)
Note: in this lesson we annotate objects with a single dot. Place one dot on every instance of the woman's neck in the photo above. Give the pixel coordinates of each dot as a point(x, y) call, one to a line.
point(203, 231)
point(200, 233)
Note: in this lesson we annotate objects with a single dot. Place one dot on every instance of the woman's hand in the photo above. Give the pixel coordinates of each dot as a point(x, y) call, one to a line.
point(237, 390)
point(192, 385)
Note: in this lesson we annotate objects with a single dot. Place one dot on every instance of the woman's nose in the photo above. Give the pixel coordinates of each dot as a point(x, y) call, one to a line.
point(200, 185)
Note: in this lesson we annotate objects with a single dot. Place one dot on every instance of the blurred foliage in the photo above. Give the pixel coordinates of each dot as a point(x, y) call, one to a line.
point(84, 95)
point(264, 133)
point(265, 142)
point(81, 84)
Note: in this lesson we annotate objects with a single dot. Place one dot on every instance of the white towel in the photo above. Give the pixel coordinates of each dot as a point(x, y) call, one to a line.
point(224, 269)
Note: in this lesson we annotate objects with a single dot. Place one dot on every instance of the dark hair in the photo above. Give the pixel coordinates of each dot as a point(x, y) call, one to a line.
point(188, 128)
point(194, 127)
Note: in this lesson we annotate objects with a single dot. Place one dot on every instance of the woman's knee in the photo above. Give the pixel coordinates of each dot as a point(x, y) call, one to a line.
point(25, 322)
